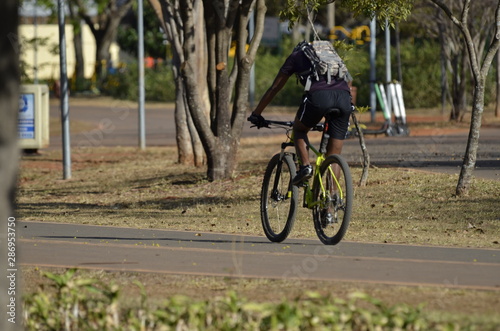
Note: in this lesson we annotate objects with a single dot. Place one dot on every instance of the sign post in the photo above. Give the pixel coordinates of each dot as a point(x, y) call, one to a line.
point(64, 92)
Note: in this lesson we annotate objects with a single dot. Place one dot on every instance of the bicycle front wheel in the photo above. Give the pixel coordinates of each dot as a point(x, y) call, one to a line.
point(333, 197)
point(278, 203)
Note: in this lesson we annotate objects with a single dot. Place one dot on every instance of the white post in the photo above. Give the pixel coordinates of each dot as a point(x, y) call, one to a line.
point(373, 53)
point(388, 74)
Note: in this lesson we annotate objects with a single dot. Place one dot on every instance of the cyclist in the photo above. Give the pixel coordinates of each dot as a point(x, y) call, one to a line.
point(316, 103)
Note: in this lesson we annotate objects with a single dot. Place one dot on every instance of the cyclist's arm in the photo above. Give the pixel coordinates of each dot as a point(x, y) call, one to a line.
point(277, 85)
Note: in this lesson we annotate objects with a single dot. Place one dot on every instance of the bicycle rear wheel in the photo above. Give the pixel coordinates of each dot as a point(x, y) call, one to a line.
point(278, 202)
point(333, 198)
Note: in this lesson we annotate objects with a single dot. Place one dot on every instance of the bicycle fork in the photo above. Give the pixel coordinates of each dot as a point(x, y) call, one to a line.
point(276, 194)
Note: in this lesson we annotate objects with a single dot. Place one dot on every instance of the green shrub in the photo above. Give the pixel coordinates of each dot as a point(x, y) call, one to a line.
point(420, 68)
point(419, 61)
point(267, 65)
point(74, 303)
point(421, 74)
point(159, 83)
point(420, 65)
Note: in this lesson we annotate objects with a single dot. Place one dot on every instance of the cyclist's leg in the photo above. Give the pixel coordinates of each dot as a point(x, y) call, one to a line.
point(307, 116)
point(301, 140)
point(338, 124)
point(335, 147)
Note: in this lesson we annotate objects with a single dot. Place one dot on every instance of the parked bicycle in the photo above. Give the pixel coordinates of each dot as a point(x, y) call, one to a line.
point(330, 196)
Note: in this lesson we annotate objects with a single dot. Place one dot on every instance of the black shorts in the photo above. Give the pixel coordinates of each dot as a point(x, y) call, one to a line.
point(316, 104)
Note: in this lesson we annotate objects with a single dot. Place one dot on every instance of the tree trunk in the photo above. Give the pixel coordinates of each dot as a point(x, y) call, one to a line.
point(442, 56)
point(197, 146)
point(104, 30)
point(190, 149)
point(201, 76)
point(102, 55)
point(469, 162)
point(79, 60)
point(182, 136)
point(459, 85)
point(9, 154)
point(78, 46)
point(101, 60)
point(497, 109)
point(221, 160)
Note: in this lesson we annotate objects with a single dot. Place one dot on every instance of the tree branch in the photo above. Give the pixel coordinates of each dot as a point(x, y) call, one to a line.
point(462, 25)
point(465, 12)
point(447, 11)
point(494, 46)
point(260, 15)
point(85, 17)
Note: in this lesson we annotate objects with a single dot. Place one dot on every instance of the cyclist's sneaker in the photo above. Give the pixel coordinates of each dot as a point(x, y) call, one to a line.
point(304, 173)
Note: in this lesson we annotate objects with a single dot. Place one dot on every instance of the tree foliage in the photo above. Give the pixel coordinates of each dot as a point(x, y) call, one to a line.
point(153, 36)
point(392, 11)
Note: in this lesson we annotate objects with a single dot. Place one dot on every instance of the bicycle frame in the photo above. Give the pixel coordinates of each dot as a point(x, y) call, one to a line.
point(308, 198)
point(320, 158)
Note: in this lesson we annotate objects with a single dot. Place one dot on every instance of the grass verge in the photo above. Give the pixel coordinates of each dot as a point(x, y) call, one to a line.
point(134, 301)
point(127, 187)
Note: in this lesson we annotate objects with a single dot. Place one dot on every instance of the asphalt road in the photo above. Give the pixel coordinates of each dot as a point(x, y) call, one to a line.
point(181, 252)
point(116, 124)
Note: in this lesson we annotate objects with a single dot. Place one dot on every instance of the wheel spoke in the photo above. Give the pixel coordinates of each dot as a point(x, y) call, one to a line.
point(278, 198)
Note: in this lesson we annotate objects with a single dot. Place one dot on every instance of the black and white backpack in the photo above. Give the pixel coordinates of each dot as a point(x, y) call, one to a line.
point(324, 62)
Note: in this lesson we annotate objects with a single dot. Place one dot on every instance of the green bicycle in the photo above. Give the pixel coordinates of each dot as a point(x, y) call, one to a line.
point(330, 197)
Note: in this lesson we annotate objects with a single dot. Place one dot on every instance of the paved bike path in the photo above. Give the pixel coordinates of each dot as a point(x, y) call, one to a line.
point(180, 252)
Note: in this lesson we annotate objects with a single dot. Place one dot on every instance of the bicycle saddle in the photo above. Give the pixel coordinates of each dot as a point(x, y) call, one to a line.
point(333, 112)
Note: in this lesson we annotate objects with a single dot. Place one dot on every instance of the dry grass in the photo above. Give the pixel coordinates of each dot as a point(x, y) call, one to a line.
point(127, 187)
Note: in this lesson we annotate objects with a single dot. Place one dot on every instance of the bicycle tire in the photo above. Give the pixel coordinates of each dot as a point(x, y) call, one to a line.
point(278, 203)
point(333, 209)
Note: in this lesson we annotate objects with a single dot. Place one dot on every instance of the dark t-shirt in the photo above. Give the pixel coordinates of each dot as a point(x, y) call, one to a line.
point(298, 62)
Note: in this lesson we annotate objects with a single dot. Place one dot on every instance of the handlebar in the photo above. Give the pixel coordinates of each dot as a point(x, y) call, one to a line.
point(279, 123)
point(288, 124)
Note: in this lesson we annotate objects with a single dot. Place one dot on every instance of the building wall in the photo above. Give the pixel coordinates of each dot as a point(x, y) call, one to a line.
point(48, 63)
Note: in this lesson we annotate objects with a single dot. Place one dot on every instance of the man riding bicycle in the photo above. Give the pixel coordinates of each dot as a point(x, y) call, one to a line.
point(323, 95)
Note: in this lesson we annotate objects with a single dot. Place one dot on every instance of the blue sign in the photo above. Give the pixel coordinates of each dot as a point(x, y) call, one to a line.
point(26, 121)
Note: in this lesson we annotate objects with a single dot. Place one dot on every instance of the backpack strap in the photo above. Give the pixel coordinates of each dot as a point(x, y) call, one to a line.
point(307, 87)
point(312, 56)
